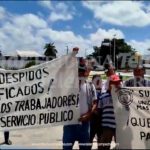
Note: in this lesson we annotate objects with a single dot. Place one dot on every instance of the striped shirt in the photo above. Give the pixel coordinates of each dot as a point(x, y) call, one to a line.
point(106, 104)
point(137, 83)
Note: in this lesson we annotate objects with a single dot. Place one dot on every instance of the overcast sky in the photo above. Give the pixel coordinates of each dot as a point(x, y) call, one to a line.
point(28, 25)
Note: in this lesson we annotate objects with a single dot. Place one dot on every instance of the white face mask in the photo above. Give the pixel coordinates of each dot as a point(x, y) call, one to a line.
point(106, 86)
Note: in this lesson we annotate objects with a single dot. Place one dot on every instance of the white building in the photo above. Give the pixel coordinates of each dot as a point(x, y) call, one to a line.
point(27, 53)
point(21, 58)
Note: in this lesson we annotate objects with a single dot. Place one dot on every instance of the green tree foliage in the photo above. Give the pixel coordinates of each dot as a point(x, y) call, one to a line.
point(107, 48)
point(50, 50)
point(29, 64)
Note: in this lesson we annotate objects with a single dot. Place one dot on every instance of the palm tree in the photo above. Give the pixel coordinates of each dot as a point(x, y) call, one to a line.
point(50, 50)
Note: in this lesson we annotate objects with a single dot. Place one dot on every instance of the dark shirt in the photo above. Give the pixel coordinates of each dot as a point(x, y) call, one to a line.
point(137, 83)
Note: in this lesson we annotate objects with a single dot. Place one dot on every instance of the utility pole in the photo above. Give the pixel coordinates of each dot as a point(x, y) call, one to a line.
point(85, 52)
point(0, 50)
point(117, 63)
point(110, 47)
point(114, 49)
point(67, 49)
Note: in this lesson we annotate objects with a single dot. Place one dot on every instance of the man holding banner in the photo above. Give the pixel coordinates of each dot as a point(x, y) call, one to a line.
point(138, 80)
point(40, 96)
point(87, 104)
point(95, 122)
point(108, 122)
point(132, 112)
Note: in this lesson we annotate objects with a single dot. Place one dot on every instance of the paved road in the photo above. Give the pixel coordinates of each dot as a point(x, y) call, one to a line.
point(36, 138)
point(50, 138)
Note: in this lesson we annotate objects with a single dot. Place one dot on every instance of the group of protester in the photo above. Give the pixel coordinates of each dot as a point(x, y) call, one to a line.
point(96, 107)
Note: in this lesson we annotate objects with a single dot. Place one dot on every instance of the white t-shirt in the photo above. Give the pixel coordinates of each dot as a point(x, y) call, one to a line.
point(84, 97)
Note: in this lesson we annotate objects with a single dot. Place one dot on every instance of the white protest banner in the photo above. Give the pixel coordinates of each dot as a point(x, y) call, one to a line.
point(132, 112)
point(40, 96)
